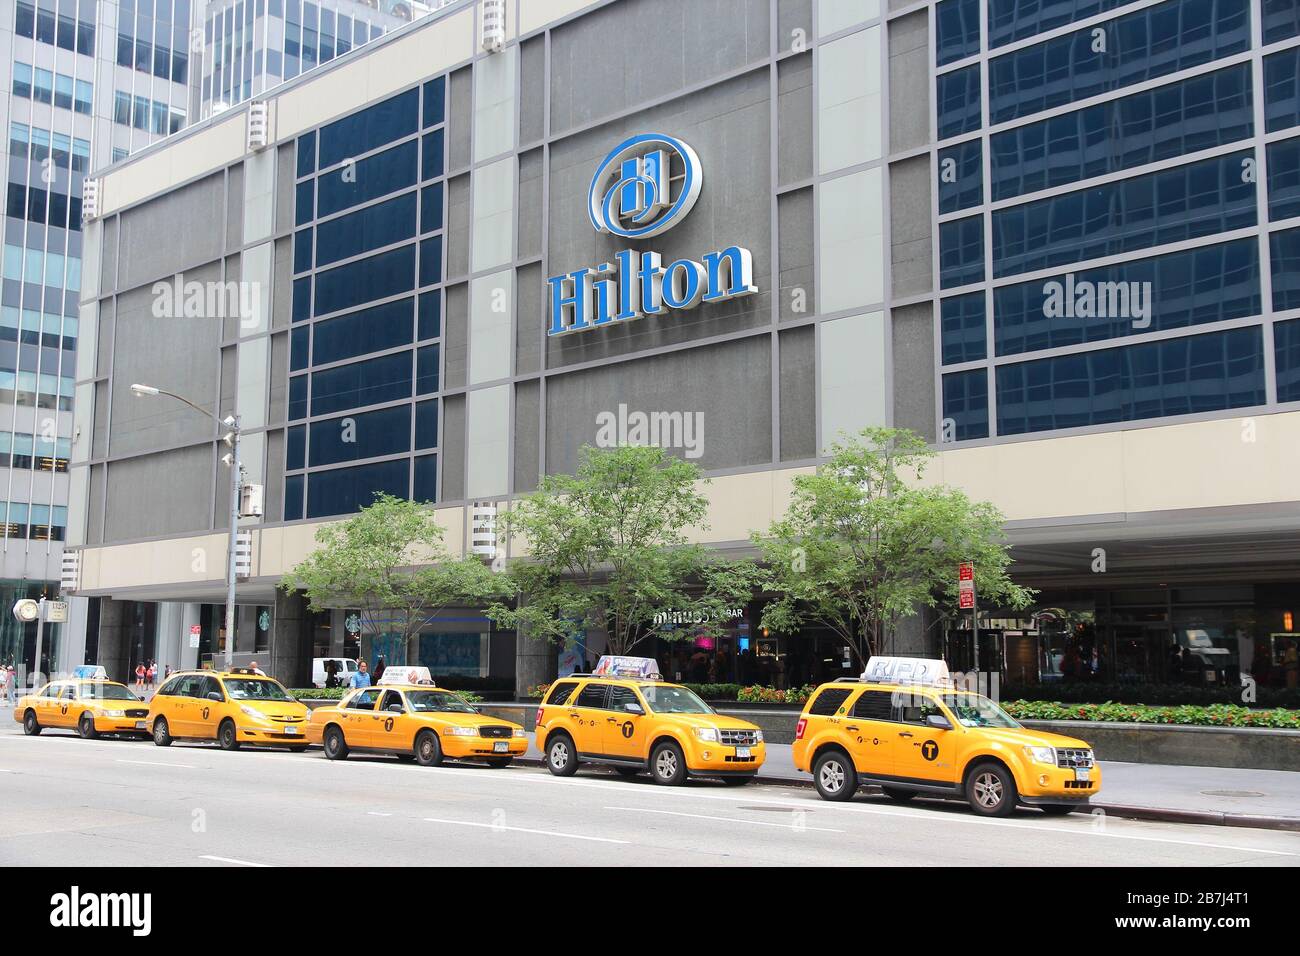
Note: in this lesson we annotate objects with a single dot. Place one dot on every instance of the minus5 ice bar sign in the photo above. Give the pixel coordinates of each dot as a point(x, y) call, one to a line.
point(641, 189)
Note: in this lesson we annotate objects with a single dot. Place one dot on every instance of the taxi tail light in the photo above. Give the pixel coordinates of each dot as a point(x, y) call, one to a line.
point(800, 727)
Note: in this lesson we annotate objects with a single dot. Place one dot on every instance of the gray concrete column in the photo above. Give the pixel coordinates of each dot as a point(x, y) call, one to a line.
point(536, 662)
point(191, 616)
point(72, 643)
point(291, 640)
point(114, 640)
point(338, 631)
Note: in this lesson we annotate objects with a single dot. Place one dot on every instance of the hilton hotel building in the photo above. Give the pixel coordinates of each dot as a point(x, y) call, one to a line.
point(1058, 238)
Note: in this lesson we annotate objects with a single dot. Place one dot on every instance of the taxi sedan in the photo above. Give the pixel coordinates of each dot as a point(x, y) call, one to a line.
point(91, 707)
point(414, 722)
point(233, 708)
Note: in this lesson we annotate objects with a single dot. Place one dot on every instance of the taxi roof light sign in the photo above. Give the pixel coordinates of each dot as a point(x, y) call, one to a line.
point(610, 665)
point(401, 674)
point(906, 670)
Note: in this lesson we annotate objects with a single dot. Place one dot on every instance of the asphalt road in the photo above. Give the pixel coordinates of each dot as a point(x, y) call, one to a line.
point(71, 802)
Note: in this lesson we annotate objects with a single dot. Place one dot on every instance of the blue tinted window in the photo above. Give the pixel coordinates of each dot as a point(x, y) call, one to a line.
point(1284, 248)
point(435, 92)
point(293, 498)
point(961, 176)
point(302, 299)
point(961, 252)
point(1284, 179)
point(298, 397)
point(304, 201)
point(1011, 20)
point(426, 425)
point(1281, 19)
point(958, 25)
point(307, 154)
point(366, 279)
point(369, 129)
point(430, 315)
point(375, 329)
point(302, 250)
point(299, 345)
point(1210, 284)
point(367, 435)
point(1181, 203)
point(364, 230)
point(1140, 46)
point(966, 405)
point(1183, 117)
point(1282, 89)
point(344, 491)
point(1286, 351)
point(963, 328)
point(426, 478)
point(377, 380)
point(959, 101)
point(378, 175)
point(431, 208)
point(426, 371)
point(1200, 373)
point(433, 158)
point(431, 261)
point(295, 455)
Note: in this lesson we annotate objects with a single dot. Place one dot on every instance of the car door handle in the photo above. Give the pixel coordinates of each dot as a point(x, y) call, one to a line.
point(905, 734)
point(612, 720)
point(851, 728)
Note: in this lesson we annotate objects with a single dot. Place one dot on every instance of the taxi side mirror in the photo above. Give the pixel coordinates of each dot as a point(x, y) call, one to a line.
point(632, 707)
point(395, 709)
point(213, 695)
point(938, 722)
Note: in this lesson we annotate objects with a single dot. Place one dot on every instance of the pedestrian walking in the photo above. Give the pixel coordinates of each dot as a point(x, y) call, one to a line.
point(361, 678)
point(10, 678)
point(139, 676)
point(151, 674)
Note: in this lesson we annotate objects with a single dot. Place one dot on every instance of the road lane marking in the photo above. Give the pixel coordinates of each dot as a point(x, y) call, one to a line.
point(159, 763)
point(226, 859)
point(701, 816)
point(550, 833)
point(376, 813)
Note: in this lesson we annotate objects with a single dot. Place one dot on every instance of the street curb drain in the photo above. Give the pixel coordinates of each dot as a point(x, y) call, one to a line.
point(1158, 814)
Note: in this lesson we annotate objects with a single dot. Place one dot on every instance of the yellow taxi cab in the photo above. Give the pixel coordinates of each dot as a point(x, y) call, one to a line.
point(91, 706)
point(625, 715)
point(235, 707)
point(906, 727)
point(406, 715)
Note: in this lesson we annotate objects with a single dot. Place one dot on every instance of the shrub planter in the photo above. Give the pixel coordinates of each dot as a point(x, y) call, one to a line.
point(1232, 747)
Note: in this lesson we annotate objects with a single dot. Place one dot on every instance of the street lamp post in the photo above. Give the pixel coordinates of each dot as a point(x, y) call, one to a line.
point(231, 458)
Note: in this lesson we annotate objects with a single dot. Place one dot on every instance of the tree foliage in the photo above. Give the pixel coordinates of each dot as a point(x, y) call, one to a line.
point(866, 543)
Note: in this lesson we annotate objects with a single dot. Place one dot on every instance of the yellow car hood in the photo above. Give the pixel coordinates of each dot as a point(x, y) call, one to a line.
point(1027, 737)
point(275, 708)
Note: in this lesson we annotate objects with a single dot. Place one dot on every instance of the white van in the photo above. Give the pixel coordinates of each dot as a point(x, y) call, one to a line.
point(346, 668)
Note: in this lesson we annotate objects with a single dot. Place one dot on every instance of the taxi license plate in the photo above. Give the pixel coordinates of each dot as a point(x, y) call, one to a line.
point(1082, 774)
point(140, 725)
point(290, 730)
point(500, 747)
point(743, 752)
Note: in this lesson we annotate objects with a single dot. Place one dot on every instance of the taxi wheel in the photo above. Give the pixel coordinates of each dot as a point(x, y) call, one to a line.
point(561, 757)
point(899, 794)
point(86, 727)
point(428, 749)
point(667, 765)
point(991, 790)
point(227, 736)
point(161, 735)
point(31, 727)
point(835, 776)
point(336, 748)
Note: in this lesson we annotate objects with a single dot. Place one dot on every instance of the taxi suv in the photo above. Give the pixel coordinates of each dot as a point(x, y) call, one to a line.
point(642, 724)
point(91, 707)
point(234, 708)
point(912, 739)
point(414, 722)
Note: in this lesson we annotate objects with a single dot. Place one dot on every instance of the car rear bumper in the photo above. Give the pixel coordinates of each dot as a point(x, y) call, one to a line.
point(477, 747)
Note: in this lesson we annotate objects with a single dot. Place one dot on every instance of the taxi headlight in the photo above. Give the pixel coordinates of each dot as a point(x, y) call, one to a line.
point(1042, 754)
point(462, 731)
point(758, 736)
point(520, 732)
point(709, 734)
point(252, 712)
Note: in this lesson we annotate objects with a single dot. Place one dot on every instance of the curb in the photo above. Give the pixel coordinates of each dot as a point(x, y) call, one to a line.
point(1209, 818)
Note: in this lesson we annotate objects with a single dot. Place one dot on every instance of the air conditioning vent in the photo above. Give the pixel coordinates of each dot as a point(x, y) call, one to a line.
point(257, 125)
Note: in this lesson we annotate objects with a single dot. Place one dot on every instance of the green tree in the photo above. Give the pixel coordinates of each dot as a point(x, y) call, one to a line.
point(608, 548)
point(389, 562)
point(865, 543)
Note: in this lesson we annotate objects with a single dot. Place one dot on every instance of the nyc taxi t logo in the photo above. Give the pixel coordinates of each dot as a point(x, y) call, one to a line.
point(641, 189)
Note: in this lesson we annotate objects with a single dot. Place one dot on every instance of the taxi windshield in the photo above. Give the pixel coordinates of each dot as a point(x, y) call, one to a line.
point(104, 692)
point(437, 701)
point(972, 710)
point(673, 700)
point(253, 689)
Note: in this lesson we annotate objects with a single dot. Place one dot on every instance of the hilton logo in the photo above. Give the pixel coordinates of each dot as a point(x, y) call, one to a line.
point(641, 189)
